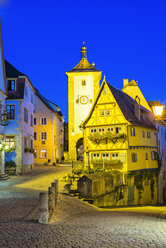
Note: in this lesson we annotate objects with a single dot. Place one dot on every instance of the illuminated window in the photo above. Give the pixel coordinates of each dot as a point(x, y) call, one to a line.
point(10, 141)
point(43, 153)
point(134, 157)
point(43, 121)
point(25, 115)
point(108, 112)
point(43, 135)
point(132, 129)
point(83, 82)
point(102, 113)
point(35, 136)
point(11, 85)
point(10, 112)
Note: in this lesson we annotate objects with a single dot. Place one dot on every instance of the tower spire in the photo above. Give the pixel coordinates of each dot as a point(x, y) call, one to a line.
point(83, 51)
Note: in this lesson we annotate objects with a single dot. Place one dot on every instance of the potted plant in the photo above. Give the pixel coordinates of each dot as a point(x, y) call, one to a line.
point(10, 167)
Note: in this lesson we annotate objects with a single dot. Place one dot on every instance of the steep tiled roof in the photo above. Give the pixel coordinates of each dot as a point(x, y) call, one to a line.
point(126, 104)
point(52, 106)
point(83, 66)
point(11, 71)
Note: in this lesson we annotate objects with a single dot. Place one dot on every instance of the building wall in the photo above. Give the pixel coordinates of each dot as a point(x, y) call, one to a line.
point(161, 139)
point(27, 129)
point(78, 111)
point(54, 143)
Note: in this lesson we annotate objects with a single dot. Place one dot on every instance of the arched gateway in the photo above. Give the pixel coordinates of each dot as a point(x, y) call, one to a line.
point(79, 149)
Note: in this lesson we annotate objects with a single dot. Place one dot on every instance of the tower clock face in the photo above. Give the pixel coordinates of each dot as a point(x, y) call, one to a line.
point(83, 99)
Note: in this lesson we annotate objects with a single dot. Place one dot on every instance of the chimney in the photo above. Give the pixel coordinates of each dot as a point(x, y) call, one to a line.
point(137, 108)
point(125, 82)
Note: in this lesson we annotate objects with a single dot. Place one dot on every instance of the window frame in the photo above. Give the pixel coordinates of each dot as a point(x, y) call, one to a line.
point(41, 121)
point(25, 116)
point(8, 142)
point(11, 105)
point(41, 138)
point(40, 153)
point(11, 85)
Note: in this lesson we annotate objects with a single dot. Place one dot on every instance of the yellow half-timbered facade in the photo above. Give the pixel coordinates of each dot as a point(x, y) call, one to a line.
point(119, 134)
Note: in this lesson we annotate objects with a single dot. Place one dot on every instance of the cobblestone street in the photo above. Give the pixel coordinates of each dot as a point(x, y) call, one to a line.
point(74, 223)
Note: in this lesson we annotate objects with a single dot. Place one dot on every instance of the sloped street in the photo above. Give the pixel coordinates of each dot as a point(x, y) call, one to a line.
point(74, 223)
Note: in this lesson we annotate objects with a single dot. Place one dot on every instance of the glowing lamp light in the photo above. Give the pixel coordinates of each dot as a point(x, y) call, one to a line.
point(158, 110)
point(0, 146)
point(73, 133)
point(6, 147)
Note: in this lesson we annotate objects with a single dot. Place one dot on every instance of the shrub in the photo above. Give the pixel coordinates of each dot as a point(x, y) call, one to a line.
point(10, 164)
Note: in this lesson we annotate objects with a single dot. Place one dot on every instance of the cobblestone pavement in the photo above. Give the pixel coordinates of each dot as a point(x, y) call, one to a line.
point(74, 223)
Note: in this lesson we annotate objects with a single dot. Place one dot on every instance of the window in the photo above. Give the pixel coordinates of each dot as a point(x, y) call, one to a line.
point(108, 112)
point(11, 85)
point(148, 135)
point(31, 98)
point(102, 113)
point(95, 155)
point(34, 121)
point(25, 115)
point(143, 134)
point(10, 141)
point(10, 112)
point(153, 155)
point(43, 135)
point(114, 156)
point(161, 131)
point(43, 121)
point(132, 131)
point(105, 155)
point(146, 156)
point(31, 143)
point(83, 82)
point(93, 130)
point(43, 153)
point(35, 153)
point(26, 90)
point(118, 130)
point(104, 91)
point(134, 157)
point(25, 142)
point(31, 120)
point(35, 136)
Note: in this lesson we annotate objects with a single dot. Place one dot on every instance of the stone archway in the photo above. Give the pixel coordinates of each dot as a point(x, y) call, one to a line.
point(79, 149)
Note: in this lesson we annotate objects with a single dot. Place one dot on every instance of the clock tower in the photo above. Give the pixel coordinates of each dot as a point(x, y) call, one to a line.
point(83, 85)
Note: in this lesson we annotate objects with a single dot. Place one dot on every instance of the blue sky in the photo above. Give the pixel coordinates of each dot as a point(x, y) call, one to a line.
point(125, 39)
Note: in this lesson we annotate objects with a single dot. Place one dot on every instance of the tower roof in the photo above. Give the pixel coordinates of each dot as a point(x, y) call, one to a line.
point(84, 65)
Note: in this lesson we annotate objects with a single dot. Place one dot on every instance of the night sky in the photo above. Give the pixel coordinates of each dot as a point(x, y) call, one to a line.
point(125, 39)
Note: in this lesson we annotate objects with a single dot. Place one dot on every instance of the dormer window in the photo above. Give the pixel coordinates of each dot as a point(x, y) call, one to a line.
point(11, 85)
point(83, 83)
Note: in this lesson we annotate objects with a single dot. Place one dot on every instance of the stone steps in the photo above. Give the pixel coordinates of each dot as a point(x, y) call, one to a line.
point(4, 177)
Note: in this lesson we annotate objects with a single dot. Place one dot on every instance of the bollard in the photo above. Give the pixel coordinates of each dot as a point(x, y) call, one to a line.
point(43, 208)
point(56, 191)
point(52, 192)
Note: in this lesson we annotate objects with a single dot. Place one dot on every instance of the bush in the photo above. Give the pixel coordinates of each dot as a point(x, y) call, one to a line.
point(10, 164)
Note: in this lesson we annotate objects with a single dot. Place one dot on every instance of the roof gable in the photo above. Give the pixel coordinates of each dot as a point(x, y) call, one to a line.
point(11, 71)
